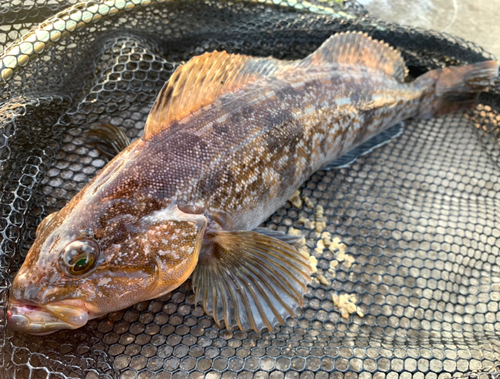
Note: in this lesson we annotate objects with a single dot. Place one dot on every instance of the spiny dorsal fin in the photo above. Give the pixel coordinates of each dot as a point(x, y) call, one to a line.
point(358, 48)
point(206, 77)
point(202, 80)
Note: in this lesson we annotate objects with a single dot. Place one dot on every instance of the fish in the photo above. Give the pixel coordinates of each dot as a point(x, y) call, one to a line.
point(229, 139)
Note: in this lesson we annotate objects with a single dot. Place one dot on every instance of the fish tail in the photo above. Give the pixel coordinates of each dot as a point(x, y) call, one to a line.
point(455, 88)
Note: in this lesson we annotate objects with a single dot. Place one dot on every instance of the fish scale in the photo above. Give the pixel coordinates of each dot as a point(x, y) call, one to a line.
point(228, 141)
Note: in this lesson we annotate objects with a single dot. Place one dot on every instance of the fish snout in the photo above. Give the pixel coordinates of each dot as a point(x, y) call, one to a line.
point(32, 308)
point(35, 288)
point(27, 286)
point(48, 318)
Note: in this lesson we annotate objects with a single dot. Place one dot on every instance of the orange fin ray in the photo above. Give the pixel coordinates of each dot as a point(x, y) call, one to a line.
point(201, 81)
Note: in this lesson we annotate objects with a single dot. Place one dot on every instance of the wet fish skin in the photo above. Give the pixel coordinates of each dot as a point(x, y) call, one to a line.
point(185, 197)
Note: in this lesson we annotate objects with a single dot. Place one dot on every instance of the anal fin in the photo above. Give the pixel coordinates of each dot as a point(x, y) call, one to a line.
point(250, 280)
point(367, 147)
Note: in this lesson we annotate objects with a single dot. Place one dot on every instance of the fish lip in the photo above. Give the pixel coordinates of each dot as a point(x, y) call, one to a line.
point(42, 319)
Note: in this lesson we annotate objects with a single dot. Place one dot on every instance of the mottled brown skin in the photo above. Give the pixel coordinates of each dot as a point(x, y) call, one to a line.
point(226, 166)
point(252, 149)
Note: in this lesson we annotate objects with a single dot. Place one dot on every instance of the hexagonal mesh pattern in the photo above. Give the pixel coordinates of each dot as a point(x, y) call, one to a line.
point(415, 252)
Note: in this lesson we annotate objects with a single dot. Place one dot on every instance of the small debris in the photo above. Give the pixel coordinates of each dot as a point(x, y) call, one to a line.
point(323, 280)
point(339, 249)
point(319, 219)
point(319, 224)
point(337, 245)
point(307, 202)
point(346, 304)
point(326, 237)
point(301, 242)
point(314, 263)
point(305, 253)
point(349, 260)
point(295, 200)
point(341, 255)
point(308, 224)
point(320, 246)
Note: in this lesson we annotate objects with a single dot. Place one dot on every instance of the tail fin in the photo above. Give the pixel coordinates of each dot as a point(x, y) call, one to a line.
point(457, 88)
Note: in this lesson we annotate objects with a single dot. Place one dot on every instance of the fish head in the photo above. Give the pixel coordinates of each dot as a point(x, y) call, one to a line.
point(77, 271)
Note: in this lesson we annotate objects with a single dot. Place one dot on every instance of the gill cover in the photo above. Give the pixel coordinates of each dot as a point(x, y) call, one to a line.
point(174, 238)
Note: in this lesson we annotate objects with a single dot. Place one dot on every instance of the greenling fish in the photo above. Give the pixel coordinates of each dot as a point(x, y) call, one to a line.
point(228, 141)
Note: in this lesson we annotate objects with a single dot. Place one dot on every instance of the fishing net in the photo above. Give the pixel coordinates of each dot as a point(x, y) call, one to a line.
point(408, 279)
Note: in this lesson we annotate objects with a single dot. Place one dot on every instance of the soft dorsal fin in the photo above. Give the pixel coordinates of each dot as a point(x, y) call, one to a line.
point(358, 48)
point(202, 80)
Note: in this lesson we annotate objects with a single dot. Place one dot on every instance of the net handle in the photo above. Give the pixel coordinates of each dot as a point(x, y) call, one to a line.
point(41, 37)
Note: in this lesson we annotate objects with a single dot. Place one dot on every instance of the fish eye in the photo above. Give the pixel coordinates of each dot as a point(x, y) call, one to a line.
point(80, 256)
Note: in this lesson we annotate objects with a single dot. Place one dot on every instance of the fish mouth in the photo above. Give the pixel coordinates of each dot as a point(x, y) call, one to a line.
point(47, 318)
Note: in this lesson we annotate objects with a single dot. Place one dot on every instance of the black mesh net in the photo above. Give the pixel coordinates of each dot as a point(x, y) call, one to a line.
point(408, 280)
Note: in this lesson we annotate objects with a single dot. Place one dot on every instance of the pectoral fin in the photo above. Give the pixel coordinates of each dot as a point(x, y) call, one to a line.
point(109, 139)
point(288, 238)
point(250, 280)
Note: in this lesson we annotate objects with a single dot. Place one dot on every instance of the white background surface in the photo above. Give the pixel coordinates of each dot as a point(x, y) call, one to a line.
point(474, 20)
